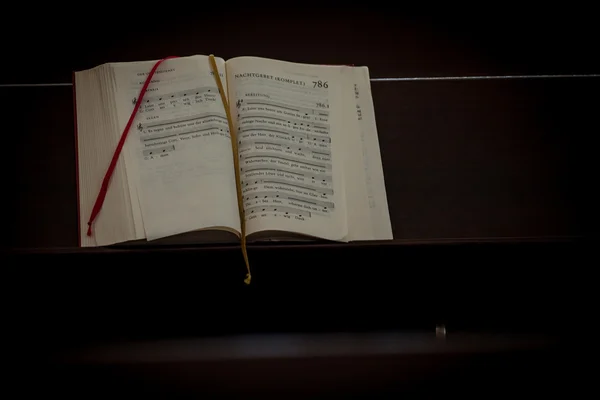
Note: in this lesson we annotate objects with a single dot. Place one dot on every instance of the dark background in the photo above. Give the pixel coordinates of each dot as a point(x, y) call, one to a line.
point(47, 43)
point(490, 186)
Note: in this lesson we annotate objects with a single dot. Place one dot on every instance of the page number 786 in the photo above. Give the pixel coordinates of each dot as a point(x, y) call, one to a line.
point(320, 84)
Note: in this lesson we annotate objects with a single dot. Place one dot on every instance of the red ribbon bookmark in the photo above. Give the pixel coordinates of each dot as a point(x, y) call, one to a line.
point(113, 162)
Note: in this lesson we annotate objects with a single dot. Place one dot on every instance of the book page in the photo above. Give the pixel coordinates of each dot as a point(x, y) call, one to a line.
point(288, 118)
point(178, 153)
point(368, 215)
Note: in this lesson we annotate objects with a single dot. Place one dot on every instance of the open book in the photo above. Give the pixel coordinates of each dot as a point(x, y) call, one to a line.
point(310, 165)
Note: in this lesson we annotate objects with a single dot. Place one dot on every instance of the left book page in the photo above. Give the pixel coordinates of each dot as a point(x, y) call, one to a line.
point(177, 163)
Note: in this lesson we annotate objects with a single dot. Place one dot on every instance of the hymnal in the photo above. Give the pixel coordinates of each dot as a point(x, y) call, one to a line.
point(308, 152)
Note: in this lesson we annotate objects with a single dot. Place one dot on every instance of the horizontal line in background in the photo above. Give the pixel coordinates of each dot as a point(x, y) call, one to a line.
point(474, 78)
point(34, 84)
point(417, 78)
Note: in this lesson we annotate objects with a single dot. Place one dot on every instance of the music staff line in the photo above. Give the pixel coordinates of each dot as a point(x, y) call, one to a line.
point(293, 135)
point(158, 150)
point(283, 209)
point(282, 195)
point(319, 125)
point(244, 144)
point(186, 118)
point(183, 133)
point(287, 185)
point(293, 171)
point(178, 94)
point(315, 173)
point(275, 181)
point(285, 157)
point(286, 141)
point(315, 182)
point(289, 107)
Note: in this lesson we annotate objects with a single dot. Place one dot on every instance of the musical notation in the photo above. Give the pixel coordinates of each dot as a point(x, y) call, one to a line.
point(259, 196)
point(290, 107)
point(301, 166)
point(171, 127)
point(281, 210)
point(305, 152)
point(285, 184)
point(285, 155)
point(189, 120)
point(286, 140)
point(290, 121)
point(289, 135)
point(182, 94)
point(158, 151)
point(186, 132)
point(166, 101)
point(287, 158)
point(282, 109)
point(288, 173)
point(294, 192)
point(276, 199)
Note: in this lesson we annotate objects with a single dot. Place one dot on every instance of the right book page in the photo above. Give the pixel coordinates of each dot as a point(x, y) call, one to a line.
point(366, 199)
point(300, 138)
